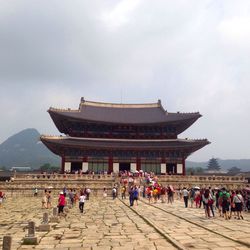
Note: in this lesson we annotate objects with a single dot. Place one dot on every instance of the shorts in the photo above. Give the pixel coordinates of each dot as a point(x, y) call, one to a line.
point(238, 207)
point(225, 208)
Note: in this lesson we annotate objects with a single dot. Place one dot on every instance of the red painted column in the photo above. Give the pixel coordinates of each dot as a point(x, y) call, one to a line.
point(85, 159)
point(183, 167)
point(62, 165)
point(138, 163)
point(110, 170)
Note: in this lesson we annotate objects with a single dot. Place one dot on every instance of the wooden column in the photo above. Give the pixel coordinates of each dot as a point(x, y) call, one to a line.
point(138, 163)
point(183, 167)
point(63, 165)
point(110, 170)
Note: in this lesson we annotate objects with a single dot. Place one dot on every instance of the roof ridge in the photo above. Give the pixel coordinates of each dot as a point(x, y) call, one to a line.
point(121, 105)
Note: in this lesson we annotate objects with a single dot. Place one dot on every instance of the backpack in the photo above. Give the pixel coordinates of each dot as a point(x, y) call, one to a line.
point(224, 198)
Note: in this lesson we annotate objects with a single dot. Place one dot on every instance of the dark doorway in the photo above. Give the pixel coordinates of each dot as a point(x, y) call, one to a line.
point(171, 168)
point(124, 166)
point(76, 166)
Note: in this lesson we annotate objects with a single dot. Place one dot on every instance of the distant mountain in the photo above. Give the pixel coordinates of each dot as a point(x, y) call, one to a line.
point(243, 164)
point(25, 150)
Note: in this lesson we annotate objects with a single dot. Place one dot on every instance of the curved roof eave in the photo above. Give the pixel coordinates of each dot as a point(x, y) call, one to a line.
point(175, 118)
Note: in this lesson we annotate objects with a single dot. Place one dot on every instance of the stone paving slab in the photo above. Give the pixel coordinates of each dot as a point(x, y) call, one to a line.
point(108, 224)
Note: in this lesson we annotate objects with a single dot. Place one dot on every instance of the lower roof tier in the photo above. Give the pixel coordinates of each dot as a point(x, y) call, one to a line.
point(64, 145)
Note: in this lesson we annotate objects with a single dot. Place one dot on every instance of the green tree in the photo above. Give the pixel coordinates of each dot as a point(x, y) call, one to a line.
point(199, 170)
point(192, 170)
point(234, 170)
point(48, 168)
point(213, 165)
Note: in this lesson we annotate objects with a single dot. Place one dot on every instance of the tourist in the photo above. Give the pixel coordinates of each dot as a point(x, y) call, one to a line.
point(61, 203)
point(135, 195)
point(197, 198)
point(155, 194)
point(232, 205)
point(149, 193)
point(211, 202)
point(114, 192)
point(49, 199)
point(35, 192)
point(192, 197)
point(44, 199)
point(170, 194)
point(207, 200)
point(238, 201)
point(1, 198)
point(144, 192)
point(185, 194)
point(75, 196)
point(105, 194)
point(87, 192)
point(64, 191)
point(82, 198)
point(225, 202)
point(71, 197)
point(123, 191)
point(131, 196)
point(163, 195)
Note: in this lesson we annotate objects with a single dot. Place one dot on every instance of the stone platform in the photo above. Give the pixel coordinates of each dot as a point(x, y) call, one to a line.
point(111, 224)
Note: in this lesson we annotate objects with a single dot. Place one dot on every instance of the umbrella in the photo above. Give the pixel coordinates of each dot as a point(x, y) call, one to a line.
point(196, 187)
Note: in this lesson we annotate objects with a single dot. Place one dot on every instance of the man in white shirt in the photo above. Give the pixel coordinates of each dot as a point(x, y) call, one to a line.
point(185, 196)
point(81, 201)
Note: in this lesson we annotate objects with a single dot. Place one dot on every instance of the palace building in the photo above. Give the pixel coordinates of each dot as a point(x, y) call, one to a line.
point(107, 137)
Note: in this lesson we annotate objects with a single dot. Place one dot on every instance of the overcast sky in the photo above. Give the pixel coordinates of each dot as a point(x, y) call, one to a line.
point(193, 55)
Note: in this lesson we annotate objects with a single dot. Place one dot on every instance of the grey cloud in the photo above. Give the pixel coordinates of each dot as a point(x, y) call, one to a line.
point(191, 55)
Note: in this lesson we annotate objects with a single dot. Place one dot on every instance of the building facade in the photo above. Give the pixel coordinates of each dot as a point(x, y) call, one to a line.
point(107, 137)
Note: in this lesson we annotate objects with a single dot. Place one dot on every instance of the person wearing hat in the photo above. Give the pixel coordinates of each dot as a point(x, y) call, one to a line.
point(61, 202)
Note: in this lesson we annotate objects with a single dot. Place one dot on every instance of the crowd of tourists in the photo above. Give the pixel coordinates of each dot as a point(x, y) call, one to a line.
point(226, 203)
point(66, 197)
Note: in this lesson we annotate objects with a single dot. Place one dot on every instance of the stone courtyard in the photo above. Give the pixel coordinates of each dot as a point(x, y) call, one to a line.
point(112, 224)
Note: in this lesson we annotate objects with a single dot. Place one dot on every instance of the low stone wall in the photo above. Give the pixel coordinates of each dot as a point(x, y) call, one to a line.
point(25, 184)
point(179, 181)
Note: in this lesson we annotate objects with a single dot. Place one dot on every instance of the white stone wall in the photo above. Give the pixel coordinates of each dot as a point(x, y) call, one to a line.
point(67, 166)
point(163, 168)
point(85, 166)
point(116, 167)
point(132, 167)
point(179, 169)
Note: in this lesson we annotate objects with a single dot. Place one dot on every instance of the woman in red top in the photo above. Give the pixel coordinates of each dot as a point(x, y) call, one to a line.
point(61, 203)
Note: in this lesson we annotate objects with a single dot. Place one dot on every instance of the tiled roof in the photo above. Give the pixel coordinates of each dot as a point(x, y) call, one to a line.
point(121, 144)
point(150, 113)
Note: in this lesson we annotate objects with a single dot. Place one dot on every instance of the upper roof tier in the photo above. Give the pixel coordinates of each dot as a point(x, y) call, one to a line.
point(110, 113)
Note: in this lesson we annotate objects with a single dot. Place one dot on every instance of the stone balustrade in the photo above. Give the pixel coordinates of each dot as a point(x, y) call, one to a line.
point(200, 178)
point(178, 181)
point(55, 182)
point(47, 177)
